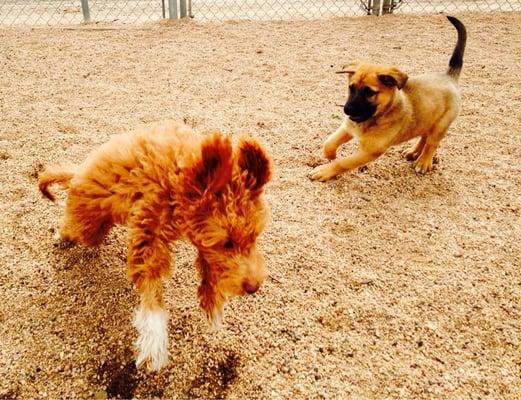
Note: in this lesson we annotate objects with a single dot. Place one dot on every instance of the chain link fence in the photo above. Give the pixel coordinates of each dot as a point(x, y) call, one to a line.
point(69, 12)
point(276, 9)
point(447, 6)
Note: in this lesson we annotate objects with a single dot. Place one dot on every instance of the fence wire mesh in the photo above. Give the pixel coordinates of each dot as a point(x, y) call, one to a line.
point(276, 9)
point(69, 12)
point(125, 11)
point(430, 6)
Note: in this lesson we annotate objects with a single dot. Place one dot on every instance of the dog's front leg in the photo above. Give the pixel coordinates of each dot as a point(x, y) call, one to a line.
point(210, 299)
point(328, 171)
point(337, 138)
point(414, 152)
point(148, 262)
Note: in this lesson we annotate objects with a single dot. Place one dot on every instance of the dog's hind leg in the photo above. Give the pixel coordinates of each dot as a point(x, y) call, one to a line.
point(85, 221)
point(148, 262)
point(424, 162)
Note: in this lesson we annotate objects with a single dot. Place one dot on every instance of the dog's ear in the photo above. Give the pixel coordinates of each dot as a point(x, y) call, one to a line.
point(213, 169)
point(349, 69)
point(393, 77)
point(254, 163)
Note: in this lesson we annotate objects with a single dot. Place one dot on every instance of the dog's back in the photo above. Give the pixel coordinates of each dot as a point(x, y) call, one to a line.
point(103, 190)
point(117, 162)
point(430, 97)
point(433, 96)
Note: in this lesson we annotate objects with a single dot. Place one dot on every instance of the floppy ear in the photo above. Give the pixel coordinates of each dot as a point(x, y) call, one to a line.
point(213, 169)
point(254, 162)
point(349, 68)
point(393, 77)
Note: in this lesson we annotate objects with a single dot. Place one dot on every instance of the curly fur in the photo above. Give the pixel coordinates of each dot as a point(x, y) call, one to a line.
point(165, 183)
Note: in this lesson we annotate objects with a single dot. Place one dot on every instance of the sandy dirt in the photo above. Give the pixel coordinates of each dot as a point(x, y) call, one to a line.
point(384, 283)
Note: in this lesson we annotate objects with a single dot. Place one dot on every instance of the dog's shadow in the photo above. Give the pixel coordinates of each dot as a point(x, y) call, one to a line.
point(96, 301)
point(94, 304)
point(388, 193)
point(215, 374)
point(395, 178)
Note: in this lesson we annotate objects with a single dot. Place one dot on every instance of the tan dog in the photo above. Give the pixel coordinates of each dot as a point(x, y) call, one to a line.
point(165, 183)
point(385, 107)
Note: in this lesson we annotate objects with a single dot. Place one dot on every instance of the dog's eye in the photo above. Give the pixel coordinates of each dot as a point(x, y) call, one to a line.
point(228, 245)
point(369, 92)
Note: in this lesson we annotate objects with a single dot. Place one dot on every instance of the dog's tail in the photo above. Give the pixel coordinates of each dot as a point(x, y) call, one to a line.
point(61, 173)
point(456, 61)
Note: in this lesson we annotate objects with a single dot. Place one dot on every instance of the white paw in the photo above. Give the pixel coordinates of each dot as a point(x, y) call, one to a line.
point(56, 236)
point(152, 342)
point(422, 167)
point(215, 319)
point(324, 172)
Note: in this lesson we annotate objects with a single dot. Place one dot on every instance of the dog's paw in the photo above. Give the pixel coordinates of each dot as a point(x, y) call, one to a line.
point(215, 319)
point(410, 155)
point(329, 153)
point(423, 166)
point(152, 342)
point(61, 242)
point(324, 172)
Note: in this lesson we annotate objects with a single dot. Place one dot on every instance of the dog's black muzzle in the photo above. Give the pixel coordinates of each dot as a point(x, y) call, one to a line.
point(359, 109)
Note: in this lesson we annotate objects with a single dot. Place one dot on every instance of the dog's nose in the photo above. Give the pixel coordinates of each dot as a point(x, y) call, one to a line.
point(349, 109)
point(250, 287)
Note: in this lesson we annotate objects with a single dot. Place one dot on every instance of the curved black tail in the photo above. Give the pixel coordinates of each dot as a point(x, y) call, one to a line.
point(456, 61)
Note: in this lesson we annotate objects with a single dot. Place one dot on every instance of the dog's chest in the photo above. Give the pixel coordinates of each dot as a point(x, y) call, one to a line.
point(371, 139)
point(364, 134)
point(356, 131)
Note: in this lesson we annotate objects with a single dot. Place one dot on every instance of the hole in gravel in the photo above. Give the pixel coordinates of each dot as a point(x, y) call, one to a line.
point(314, 161)
point(122, 382)
point(227, 370)
point(71, 256)
point(35, 170)
point(214, 380)
point(9, 394)
point(4, 155)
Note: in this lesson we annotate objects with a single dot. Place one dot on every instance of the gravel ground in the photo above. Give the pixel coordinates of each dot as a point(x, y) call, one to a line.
point(384, 283)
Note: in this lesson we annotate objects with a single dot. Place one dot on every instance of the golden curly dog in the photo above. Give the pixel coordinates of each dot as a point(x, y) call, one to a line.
point(165, 183)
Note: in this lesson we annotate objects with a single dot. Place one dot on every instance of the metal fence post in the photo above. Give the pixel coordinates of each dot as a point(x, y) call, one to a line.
point(376, 7)
point(172, 9)
point(85, 10)
point(387, 7)
point(182, 8)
